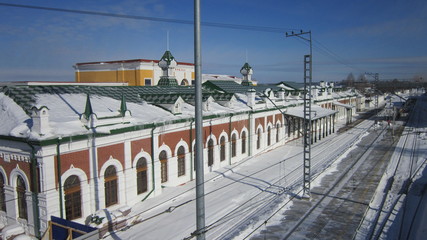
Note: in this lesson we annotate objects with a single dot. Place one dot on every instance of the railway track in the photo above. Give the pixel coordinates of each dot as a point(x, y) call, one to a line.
point(336, 186)
point(405, 167)
point(264, 203)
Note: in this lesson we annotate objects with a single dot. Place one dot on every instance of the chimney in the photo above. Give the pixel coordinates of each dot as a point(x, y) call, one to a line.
point(281, 94)
point(40, 117)
point(251, 97)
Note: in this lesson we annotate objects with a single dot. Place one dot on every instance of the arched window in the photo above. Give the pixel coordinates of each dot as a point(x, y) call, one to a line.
point(277, 132)
point(233, 145)
point(181, 161)
point(184, 82)
point(22, 202)
point(2, 195)
point(73, 199)
point(243, 142)
point(268, 136)
point(163, 157)
point(110, 185)
point(222, 148)
point(141, 175)
point(210, 152)
point(258, 140)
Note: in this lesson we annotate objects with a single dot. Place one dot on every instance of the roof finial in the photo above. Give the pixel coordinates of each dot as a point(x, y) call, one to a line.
point(246, 59)
point(123, 107)
point(88, 108)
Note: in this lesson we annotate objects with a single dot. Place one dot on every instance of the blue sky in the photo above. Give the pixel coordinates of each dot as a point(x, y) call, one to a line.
point(383, 36)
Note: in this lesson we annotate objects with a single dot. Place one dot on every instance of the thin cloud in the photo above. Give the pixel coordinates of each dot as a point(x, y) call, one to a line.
point(413, 59)
point(20, 74)
point(411, 25)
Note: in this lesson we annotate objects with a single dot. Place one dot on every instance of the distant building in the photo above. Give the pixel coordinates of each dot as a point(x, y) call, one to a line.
point(144, 72)
point(136, 72)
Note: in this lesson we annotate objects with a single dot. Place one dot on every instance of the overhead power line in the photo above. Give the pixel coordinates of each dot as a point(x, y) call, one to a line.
point(316, 44)
point(154, 19)
point(322, 49)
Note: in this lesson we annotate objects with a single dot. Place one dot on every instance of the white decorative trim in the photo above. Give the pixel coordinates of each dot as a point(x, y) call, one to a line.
point(179, 144)
point(140, 155)
point(211, 136)
point(18, 172)
point(15, 156)
point(3, 172)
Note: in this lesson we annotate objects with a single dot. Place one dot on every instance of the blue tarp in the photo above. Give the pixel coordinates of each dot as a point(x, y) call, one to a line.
point(60, 233)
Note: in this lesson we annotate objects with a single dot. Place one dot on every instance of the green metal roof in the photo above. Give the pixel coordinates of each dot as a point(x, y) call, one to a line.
point(263, 87)
point(225, 86)
point(167, 81)
point(25, 95)
point(160, 98)
point(167, 56)
point(246, 66)
point(294, 85)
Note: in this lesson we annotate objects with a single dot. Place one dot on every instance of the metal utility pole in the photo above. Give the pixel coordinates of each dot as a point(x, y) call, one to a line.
point(376, 80)
point(308, 63)
point(200, 188)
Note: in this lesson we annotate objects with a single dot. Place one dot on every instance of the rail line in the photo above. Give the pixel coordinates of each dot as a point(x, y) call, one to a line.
point(399, 188)
point(340, 180)
point(264, 202)
point(398, 183)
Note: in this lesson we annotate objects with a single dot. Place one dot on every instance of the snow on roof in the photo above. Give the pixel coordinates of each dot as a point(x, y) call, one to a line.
point(342, 105)
point(66, 106)
point(206, 77)
point(11, 115)
point(316, 112)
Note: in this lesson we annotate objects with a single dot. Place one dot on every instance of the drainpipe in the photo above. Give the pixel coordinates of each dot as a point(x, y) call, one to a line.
point(249, 135)
point(34, 192)
point(192, 150)
point(229, 140)
point(152, 165)
point(58, 172)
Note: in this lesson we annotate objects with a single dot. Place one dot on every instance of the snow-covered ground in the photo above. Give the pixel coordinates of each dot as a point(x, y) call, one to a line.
point(402, 203)
point(238, 197)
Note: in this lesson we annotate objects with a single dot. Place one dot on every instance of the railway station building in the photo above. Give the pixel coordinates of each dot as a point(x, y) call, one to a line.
point(72, 150)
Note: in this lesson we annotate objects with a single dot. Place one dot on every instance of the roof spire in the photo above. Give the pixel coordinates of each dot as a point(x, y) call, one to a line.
point(88, 108)
point(167, 40)
point(123, 107)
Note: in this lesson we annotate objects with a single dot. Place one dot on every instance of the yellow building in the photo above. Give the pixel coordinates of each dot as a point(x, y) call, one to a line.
point(137, 72)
